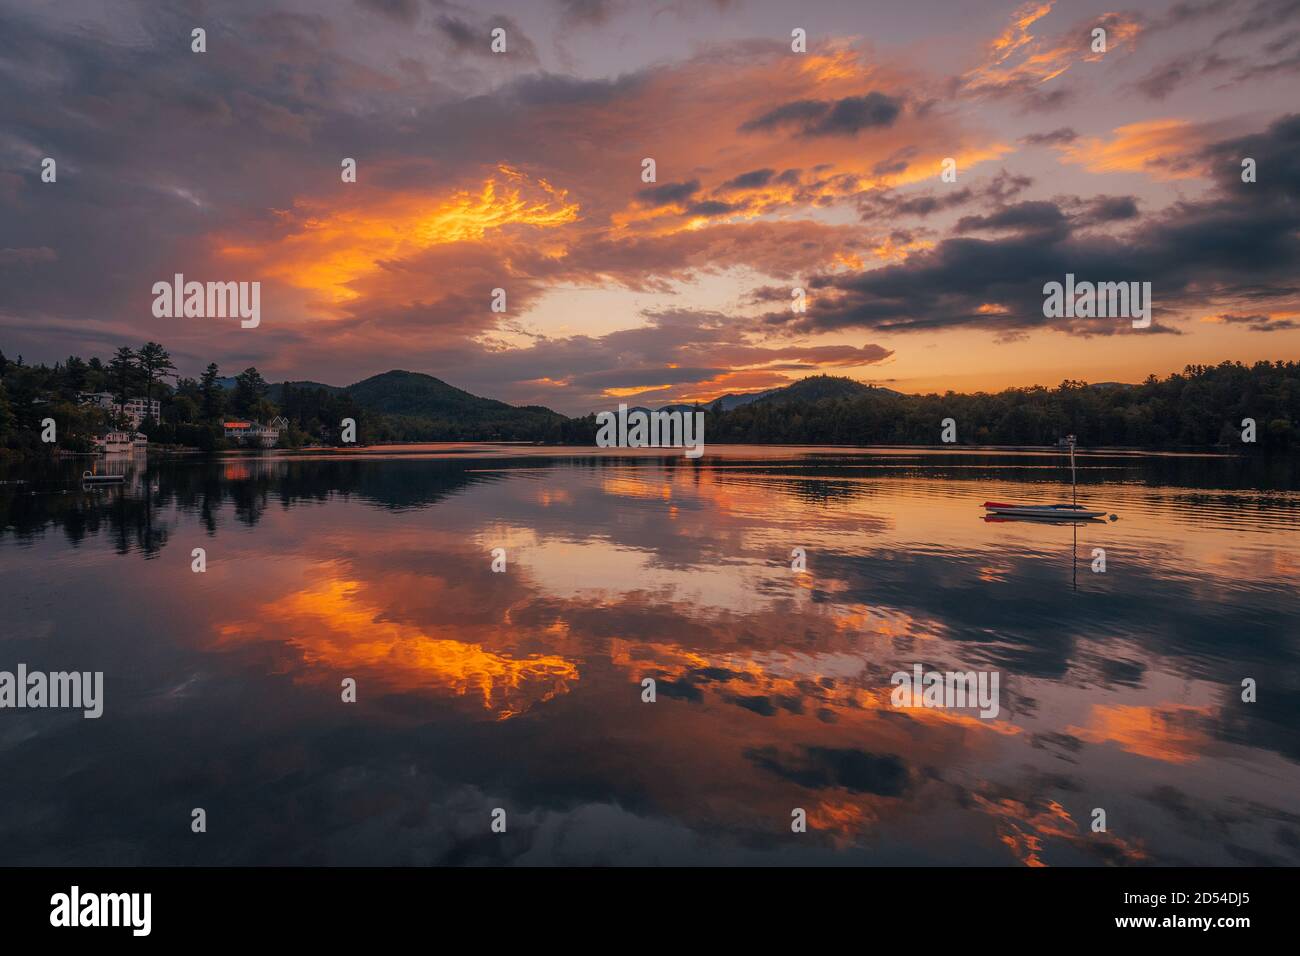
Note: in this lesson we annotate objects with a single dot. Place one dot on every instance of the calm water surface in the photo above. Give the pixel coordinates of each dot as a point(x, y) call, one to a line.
point(522, 690)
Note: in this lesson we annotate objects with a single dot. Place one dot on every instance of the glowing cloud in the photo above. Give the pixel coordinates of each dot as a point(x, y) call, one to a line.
point(326, 250)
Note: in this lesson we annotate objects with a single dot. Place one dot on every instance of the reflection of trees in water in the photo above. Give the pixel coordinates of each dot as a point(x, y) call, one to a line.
point(55, 497)
point(245, 486)
point(814, 479)
point(132, 515)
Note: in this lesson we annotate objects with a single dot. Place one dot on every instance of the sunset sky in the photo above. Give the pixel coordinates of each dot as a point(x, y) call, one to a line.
point(775, 170)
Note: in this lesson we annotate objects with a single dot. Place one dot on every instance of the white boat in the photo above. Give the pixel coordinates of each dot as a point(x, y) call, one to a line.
point(1056, 512)
point(1052, 512)
point(93, 479)
point(140, 442)
point(114, 443)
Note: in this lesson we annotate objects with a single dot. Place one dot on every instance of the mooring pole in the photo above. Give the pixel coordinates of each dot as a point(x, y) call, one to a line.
point(1074, 488)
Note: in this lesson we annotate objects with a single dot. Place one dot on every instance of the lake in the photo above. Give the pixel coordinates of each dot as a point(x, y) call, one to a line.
point(1121, 690)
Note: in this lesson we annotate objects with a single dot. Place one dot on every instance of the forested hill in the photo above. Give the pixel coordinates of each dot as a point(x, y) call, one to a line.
point(1203, 405)
point(412, 406)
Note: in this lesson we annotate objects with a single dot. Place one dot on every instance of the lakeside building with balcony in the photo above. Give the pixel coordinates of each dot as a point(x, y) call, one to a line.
point(136, 410)
point(255, 433)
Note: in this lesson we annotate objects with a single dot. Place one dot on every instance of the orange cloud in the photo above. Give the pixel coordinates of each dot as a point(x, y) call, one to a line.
point(325, 249)
point(1017, 62)
point(1162, 149)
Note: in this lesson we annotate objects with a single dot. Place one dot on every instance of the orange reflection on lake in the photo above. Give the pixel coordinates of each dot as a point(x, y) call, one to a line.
point(1169, 732)
point(337, 632)
point(1118, 689)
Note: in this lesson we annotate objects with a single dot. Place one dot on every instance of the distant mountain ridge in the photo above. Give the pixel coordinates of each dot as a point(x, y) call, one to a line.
point(416, 395)
point(416, 406)
point(422, 404)
point(811, 389)
point(832, 410)
point(817, 388)
point(274, 392)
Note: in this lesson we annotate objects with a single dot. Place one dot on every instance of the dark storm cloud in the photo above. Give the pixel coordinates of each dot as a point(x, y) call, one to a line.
point(1163, 80)
point(1056, 137)
point(1005, 185)
point(403, 11)
point(750, 180)
point(1034, 99)
point(1260, 15)
point(1274, 47)
point(890, 203)
point(1027, 92)
point(713, 207)
point(1259, 323)
point(1288, 64)
point(843, 117)
point(1277, 20)
point(27, 257)
point(1110, 209)
point(915, 205)
point(800, 111)
point(588, 12)
point(475, 38)
point(896, 163)
point(1242, 241)
point(462, 36)
point(669, 194)
point(552, 89)
point(1036, 215)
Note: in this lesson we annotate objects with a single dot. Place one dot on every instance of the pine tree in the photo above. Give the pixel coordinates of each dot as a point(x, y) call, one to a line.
point(154, 364)
point(123, 375)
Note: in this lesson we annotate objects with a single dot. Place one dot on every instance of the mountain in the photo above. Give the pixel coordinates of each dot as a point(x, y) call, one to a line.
point(817, 388)
point(811, 389)
point(412, 406)
point(736, 399)
point(414, 393)
point(426, 406)
point(276, 389)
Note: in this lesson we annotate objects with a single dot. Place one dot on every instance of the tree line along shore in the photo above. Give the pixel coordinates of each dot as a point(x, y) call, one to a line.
point(1204, 406)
